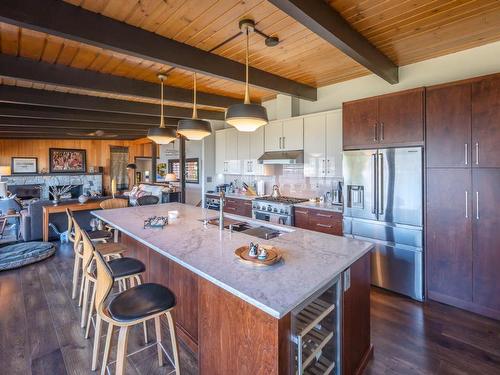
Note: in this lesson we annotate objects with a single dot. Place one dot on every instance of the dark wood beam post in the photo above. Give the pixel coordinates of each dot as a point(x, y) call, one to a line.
point(154, 156)
point(72, 22)
point(323, 20)
point(182, 167)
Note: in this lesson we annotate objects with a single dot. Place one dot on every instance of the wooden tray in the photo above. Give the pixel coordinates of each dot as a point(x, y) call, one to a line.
point(273, 256)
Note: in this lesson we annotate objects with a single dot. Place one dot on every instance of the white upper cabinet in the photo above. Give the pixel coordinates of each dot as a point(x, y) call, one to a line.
point(220, 151)
point(323, 145)
point(273, 133)
point(231, 144)
point(243, 145)
point(257, 143)
point(334, 144)
point(293, 134)
point(314, 146)
point(285, 135)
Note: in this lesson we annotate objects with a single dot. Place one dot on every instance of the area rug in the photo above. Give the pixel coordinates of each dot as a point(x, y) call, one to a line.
point(23, 253)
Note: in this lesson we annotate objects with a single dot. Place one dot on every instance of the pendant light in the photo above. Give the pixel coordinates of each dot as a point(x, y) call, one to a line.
point(194, 129)
point(162, 135)
point(246, 117)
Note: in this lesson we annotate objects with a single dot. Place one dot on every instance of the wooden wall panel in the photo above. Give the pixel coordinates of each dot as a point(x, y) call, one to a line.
point(98, 151)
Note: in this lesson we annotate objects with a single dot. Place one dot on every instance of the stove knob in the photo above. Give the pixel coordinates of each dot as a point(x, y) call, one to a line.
point(282, 211)
point(269, 208)
point(275, 209)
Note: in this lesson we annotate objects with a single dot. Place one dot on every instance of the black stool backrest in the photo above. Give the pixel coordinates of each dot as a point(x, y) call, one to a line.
point(147, 200)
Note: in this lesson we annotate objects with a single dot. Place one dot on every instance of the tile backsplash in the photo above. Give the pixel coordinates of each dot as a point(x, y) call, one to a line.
point(291, 180)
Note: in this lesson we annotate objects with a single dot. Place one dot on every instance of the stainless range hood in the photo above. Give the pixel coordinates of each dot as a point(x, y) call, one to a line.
point(282, 157)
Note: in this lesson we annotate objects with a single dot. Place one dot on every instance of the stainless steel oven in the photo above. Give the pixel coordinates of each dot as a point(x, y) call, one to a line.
point(272, 217)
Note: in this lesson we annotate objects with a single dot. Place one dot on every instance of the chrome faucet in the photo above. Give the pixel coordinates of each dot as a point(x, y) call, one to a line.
point(222, 200)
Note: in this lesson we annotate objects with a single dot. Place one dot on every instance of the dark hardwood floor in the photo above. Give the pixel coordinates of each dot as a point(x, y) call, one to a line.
point(40, 332)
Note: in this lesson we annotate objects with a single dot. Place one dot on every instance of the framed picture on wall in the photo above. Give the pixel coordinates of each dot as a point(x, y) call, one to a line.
point(24, 165)
point(66, 160)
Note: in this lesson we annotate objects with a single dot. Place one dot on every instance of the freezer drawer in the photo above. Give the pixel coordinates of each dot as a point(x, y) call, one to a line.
point(398, 269)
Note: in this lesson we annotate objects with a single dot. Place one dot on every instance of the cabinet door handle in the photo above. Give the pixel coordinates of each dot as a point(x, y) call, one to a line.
point(375, 132)
point(374, 202)
point(466, 204)
point(280, 143)
point(466, 154)
point(477, 205)
point(323, 225)
point(284, 142)
point(327, 166)
point(381, 131)
point(324, 215)
point(477, 153)
point(323, 168)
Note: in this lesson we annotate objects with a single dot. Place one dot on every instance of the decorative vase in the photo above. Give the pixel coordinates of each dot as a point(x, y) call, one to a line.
point(56, 199)
point(83, 198)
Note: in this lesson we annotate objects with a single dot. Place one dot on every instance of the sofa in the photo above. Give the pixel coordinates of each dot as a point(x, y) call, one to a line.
point(31, 227)
point(160, 191)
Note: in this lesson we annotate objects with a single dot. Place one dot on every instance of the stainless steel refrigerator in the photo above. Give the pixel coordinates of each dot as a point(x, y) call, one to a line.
point(383, 204)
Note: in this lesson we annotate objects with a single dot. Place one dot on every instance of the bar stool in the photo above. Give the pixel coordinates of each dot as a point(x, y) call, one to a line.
point(136, 305)
point(111, 204)
point(109, 250)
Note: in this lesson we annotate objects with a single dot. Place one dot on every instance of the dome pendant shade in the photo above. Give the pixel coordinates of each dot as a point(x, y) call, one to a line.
point(194, 129)
point(246, 117)
point(162, 136)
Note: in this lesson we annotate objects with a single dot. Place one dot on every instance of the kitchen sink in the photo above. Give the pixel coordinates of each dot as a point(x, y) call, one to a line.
point(251, 229)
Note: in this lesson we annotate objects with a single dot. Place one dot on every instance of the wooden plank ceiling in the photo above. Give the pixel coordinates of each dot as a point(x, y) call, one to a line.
point(407, 31)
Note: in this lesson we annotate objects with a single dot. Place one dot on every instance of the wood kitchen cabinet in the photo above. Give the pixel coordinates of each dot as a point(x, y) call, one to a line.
point(449, 233)
point(485, 122)
point(237, 206)
point(284, 135)
point(323, 145)
point(486, 239)
point(448, 126)
point(318, 220)
point(385, 121)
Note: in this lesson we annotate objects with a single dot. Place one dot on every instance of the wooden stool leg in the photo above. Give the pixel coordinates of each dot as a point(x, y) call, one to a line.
point(121, 355)
point(158, 340)
point(91, 311)
point(97, 341)
point(76, 272)
point(173, 339)
point(82, 287)
point(85, 302)
point(107, 348)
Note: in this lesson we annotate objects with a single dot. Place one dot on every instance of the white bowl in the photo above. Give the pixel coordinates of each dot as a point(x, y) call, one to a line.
point(173, 214)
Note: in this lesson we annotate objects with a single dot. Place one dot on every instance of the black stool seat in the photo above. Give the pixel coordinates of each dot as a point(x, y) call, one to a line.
point(141, 301)
point(98, 234)
point(126, 266)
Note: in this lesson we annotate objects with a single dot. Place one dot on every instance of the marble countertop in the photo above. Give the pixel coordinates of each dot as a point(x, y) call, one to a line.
point(310, 259)
point(321, 206)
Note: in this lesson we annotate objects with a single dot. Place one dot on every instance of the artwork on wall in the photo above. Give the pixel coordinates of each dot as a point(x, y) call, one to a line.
point(65, 160)
point(161, 171)
point(24, 165)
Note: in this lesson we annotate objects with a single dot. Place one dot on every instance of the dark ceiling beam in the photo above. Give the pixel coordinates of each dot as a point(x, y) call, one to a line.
point(323, 20)
point(38, 97)
point(22, 122)
point(35, 130)
point(30, 111)
point(72, 22)
point(61, 75)
point(55, 136)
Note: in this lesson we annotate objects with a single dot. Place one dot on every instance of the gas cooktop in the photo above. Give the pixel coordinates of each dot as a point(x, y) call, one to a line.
point(282, 199)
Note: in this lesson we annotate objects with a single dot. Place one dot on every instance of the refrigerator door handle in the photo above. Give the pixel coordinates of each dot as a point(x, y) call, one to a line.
point(380, 183)
point(374, 202)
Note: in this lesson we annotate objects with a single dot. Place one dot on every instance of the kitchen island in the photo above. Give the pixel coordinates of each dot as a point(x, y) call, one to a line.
point(239, 318)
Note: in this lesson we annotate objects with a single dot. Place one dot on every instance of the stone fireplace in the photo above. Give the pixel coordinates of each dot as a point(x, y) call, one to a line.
point(28, 184)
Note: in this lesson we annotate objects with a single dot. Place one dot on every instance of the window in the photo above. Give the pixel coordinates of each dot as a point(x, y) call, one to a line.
point(192, 169)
